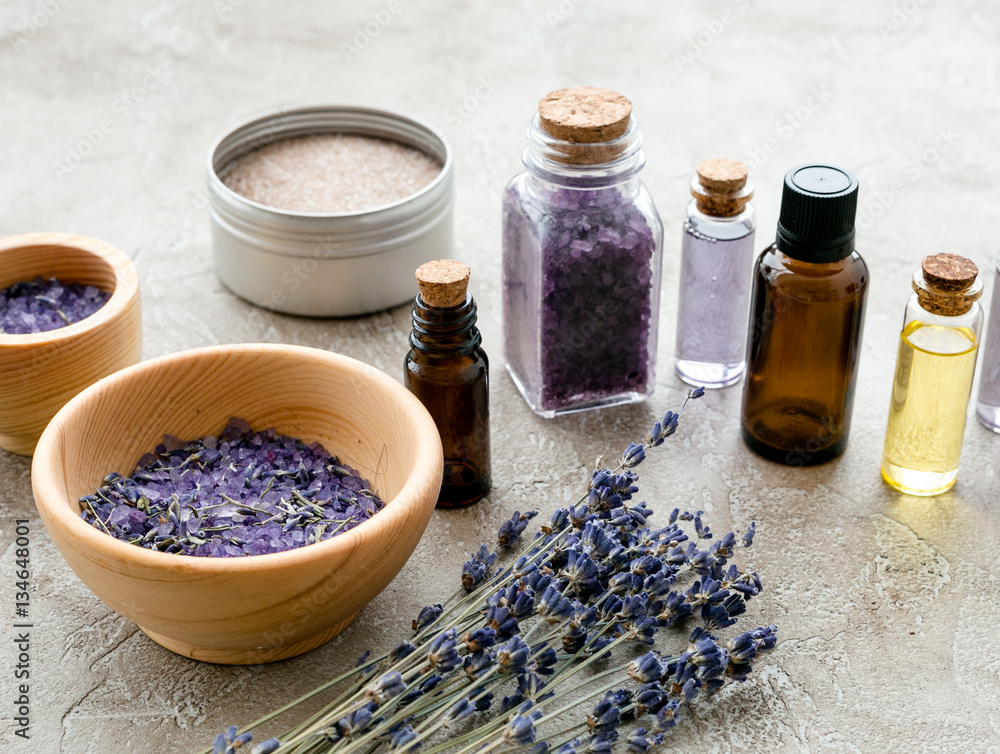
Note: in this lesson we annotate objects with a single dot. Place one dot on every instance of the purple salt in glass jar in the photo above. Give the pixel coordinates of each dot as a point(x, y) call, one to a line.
point(582, 251)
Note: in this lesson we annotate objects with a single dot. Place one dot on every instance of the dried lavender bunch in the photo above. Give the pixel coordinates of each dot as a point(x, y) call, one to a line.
point(573, 621)
point(241, 493)
point(41, 305)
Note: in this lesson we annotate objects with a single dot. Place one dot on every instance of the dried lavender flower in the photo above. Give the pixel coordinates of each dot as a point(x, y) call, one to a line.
point(521, 730)
point(230, 741)
point(645, 668)
point(266, 747)
point(476, 568)
point(634, 455)
point(510, 531)
point(389, 685)
point(404, 739)
point(241, 493)
point(427, 616)
point(639, 740)
point(596, 578)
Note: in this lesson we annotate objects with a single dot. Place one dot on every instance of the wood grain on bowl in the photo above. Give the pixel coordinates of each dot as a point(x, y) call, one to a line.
point(39, 372)
point(257, 608)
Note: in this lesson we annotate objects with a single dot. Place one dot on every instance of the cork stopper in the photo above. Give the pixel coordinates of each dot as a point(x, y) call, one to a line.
point(720, 187)
point(722, 175)
point(949, 272)
point(443, 282)
point(585, 115)
point(947, 284)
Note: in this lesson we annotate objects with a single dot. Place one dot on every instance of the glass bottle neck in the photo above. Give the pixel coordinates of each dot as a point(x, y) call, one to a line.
point(445, 332)
point(710, 227)
point(937, 300)
point(718, 205)
point(583, 166)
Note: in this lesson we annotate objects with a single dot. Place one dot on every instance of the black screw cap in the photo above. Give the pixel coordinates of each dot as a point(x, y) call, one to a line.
point(818, 207)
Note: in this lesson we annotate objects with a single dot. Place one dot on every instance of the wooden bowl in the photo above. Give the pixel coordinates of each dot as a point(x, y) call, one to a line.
point(39, 372)
point(263, 607)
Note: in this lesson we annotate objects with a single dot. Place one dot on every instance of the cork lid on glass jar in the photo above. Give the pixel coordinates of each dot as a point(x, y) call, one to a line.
point(588, 120)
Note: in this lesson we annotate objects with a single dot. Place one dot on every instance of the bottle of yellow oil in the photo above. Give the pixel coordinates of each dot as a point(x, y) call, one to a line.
point(934, 370)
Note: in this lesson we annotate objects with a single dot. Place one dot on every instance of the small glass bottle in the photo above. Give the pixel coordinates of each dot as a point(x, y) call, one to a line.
point(934, 370)
point(806, 320)
point(988, 402)
point(582, 248)
point(716, 265)
point(448, 371)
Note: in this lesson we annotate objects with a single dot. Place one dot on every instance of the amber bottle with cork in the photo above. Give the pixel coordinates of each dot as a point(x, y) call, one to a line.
point(448, 371)
point(938, 346)
point(806, 320)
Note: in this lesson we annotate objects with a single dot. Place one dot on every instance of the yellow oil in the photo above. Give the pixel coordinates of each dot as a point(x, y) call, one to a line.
point(930, 397)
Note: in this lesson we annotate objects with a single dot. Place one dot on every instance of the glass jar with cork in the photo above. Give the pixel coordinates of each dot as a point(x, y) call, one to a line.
point(716, 264)
point(934, 369)
point(582, 247)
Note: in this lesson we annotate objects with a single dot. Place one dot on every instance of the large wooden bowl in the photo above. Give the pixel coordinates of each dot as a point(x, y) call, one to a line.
point(257, 608)
point(39, 372)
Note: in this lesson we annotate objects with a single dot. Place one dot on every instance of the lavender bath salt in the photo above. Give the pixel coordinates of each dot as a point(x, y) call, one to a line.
point(582, 244)
point(41, 305)
point(241, 493)
point(595, 314)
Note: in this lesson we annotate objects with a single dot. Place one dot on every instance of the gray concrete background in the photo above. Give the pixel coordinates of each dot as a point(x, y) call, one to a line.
point(888, 605)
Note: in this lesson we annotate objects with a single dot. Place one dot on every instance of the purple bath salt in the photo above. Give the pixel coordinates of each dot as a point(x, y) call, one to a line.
point(241, 493)
point(582, 244)
point(41, 305)
point(594, 284)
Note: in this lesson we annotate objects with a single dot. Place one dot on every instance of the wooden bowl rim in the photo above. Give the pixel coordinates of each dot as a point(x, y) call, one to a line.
point(407, 502)
point(126, 284)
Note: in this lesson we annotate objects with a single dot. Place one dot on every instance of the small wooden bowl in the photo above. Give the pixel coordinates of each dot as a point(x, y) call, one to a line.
point(39, 372)
point(257, 608)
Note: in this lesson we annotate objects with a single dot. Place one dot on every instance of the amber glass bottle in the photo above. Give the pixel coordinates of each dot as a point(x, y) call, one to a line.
point(806, 320)
point(448, 371)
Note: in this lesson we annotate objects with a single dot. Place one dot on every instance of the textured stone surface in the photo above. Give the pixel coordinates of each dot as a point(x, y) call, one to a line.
point(888, 606)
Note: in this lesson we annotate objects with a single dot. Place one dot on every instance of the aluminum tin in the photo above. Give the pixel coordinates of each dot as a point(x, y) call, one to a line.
point(328, 265)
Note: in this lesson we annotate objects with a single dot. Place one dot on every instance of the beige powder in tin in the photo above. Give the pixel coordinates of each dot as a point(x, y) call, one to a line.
point(329, 173)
